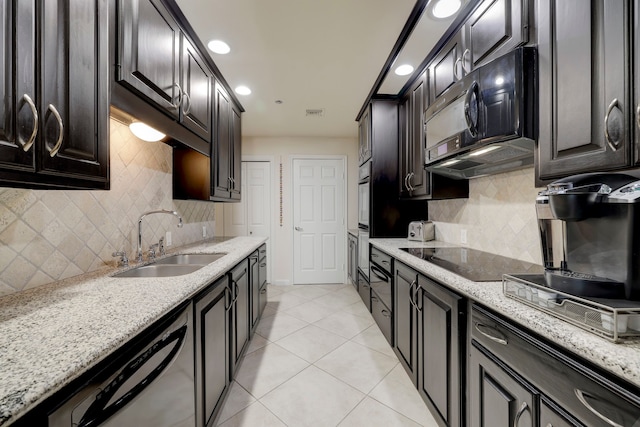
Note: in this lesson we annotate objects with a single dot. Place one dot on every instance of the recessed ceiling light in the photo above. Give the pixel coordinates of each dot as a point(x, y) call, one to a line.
point(404, 70)
point(145, 132)
point(445, 8)
point(243, 90)
point(218, 46)
point(279, 101)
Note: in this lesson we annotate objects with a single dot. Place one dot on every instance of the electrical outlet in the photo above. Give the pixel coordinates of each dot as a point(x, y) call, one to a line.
point(167, 239)
point(463, 236)
point(204, 231)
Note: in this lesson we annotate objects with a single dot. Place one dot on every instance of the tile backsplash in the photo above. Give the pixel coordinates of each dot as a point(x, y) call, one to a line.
point(49, 235)
point(499, 216)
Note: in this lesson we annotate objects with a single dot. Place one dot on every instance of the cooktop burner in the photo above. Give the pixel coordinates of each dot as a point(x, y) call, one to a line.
point(473, 264)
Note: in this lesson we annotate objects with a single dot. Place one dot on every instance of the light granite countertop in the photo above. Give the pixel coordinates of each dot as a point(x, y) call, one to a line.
point(621, 359)
point(52, 334)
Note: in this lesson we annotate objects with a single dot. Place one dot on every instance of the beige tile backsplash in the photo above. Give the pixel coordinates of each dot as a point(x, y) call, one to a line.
point(499, 216)
point(51, 235)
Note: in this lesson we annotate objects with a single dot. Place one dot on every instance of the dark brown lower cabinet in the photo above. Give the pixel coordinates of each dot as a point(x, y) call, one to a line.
point(239, 285)
point(430, 339)
point(498, 398)
point(364, 290)
point(254, 267)
point(212, 350)
point(551, 416)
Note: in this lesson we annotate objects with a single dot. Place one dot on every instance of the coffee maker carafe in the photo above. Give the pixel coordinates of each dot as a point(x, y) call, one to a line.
point(590, 234)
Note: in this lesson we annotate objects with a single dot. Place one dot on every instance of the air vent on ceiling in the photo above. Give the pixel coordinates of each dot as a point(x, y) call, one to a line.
point(317, 112)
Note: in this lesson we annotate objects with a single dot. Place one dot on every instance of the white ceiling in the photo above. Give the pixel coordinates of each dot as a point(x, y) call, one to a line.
point(310, 54)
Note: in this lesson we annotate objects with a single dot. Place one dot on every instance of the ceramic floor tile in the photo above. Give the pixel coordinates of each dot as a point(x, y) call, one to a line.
point(338, 299)
point(357, 308)
point(373, 338)
point(285, 300)
point(345, 324)
point(373, 413)
point(398, 392)
point(311, 343)
point(311, 311)
point(256, 415)
point(275, 327)
point(332, 287)
point(257, 342)
point(266, 368)
point(236, 401)
point(357, 365)
point(268, 312)
point(312, 398)
point(309, 291)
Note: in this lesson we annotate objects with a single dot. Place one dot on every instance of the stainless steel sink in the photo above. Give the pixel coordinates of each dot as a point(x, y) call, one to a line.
point(160, 270)
point(174, 265)
point(191, 259)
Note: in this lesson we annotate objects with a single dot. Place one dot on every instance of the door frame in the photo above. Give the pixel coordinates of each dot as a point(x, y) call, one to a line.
point(345, 212)
point(272, 206)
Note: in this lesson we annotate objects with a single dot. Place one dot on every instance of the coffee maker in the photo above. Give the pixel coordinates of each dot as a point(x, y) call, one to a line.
point(590, 234)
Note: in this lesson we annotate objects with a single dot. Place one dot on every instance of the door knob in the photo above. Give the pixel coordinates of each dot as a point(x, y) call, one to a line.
point(298, 229)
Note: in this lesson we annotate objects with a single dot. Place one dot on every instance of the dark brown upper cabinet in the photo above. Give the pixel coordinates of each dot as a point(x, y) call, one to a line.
point(446, 68)
point(584, 87)
point(226, 156)
point(157, 60)
point(54, 130)
point(364, 136)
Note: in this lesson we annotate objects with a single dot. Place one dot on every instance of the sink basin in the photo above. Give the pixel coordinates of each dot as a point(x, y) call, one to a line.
point(174, 265)
point(191, 259)
point(160, 270)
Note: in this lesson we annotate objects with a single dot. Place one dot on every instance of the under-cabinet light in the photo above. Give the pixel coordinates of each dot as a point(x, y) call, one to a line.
point(145, 132)
point(484, 151)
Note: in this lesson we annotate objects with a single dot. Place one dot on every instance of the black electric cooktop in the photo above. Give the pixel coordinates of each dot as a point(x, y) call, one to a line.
point(473, 264)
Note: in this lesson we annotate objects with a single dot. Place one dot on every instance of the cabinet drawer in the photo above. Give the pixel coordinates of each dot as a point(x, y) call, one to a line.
point(383, 260)
point(383, 316)
point(365, 291)
point(583, 392)
point(262, 299)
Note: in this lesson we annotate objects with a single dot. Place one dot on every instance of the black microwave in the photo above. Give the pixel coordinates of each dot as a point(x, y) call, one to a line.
point(485, 122)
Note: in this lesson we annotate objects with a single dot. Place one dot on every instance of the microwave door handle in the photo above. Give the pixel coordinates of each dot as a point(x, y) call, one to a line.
point(98, 412)
point(472, 97)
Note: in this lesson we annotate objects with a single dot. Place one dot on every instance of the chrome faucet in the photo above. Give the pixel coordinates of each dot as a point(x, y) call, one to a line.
point(161, 211)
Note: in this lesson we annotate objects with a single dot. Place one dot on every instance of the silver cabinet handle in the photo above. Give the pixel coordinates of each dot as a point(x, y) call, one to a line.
point(464, 54)
point(34, 132)
point(418, 288)
point(264, 264)
point(491, 333)
point(455, 68)
point(614, 146)
point(523, 408)
point(298, 228)
point(411, 175)
point(188, 98)
point(412, 294)
point(58, 144)
point(264, 291)
point(386, 313)
point(227, 298)
point(178, 102)
point(638, 115)
point(581, 397)
point(406, 183)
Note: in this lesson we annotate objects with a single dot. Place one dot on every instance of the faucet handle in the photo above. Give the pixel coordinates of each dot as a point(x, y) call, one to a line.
point(123, 261)
point(161, 246)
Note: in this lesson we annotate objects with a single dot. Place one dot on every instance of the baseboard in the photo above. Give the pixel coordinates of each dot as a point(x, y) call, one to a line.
point(281, 282)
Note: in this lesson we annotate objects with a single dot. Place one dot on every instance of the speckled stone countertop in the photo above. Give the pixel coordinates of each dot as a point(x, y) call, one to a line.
point(52, 334)
point(622, 359)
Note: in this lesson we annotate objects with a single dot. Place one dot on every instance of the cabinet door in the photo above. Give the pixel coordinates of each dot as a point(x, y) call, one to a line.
point(418, 179)
point(220, 162)
point(197, 86)
point(364, 289)
point(18, 110)
point(495, 28)
point(549, 417)
point(447, 66)
point(149, 53)
point(382, 315)
point(497, 397)
point(254, 270)
point(239, 278)
point(212, 350)
point(636, 80)
point(583, 50)
point(74, 81)
point(405, 324)
point(236, 152)
point(364, 134)
point(440, 332)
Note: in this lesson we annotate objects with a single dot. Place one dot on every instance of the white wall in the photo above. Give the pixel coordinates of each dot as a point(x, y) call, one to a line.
point(281, 149)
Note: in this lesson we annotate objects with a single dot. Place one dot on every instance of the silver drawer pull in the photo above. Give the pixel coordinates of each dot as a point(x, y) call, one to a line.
point(386, 313)
point(523, 408)
point(264, 291)
point(374, 299)
point(491, 333)
point(34, 111)
point(263, 264)
point(384, 261)
point(581, 397)
point(638, 115)
point(56, 147)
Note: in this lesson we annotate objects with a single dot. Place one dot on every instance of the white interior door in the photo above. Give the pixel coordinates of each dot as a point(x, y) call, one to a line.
point(319, 221)
point(252, 215)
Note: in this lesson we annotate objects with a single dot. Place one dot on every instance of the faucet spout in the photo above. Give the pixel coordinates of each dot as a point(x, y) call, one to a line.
point(161, 211)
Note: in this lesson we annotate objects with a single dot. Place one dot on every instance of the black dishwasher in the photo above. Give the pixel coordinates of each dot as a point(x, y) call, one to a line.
point(381, 282)
point(155, 387)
